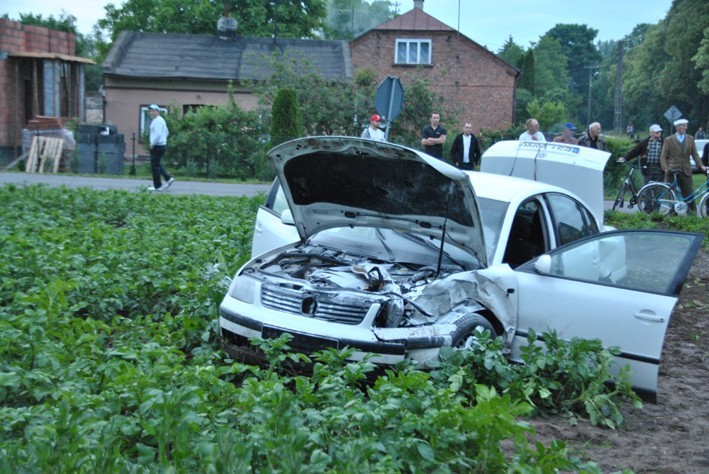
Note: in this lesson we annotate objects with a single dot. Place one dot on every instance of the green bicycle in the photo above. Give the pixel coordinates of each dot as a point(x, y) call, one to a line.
point(664, 198)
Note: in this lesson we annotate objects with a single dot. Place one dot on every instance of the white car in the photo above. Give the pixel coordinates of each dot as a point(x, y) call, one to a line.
point(700, 144)
point(372, 271)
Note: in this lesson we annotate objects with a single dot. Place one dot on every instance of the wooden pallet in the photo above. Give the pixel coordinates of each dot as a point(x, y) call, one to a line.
point(45, 155)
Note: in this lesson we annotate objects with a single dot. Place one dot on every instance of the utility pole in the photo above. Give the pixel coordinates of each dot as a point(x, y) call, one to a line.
point(591, 75)
point(618, 110)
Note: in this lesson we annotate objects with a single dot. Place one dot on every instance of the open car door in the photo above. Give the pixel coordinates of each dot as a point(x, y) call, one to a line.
point(619, 287)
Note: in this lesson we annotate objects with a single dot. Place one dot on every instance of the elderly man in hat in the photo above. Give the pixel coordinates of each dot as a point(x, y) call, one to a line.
point(567, 135)
point(675, 156)
point(649, 151)
point(373, 132)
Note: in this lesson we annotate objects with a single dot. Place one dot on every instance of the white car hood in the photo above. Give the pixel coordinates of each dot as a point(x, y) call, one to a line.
point(348, 182)
point(576, 168)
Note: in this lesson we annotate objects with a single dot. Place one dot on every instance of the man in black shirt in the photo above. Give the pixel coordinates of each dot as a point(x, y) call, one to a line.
point(433, 137)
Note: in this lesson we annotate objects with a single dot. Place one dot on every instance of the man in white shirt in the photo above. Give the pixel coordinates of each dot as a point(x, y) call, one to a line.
point(158, 145)
point(465, 152)
point(532, 133)
point(373, 132)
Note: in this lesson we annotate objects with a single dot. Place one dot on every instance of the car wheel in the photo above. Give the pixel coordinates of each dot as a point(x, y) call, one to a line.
point(465, 336)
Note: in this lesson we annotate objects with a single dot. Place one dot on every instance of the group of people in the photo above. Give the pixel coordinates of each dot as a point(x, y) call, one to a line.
point(659, 158)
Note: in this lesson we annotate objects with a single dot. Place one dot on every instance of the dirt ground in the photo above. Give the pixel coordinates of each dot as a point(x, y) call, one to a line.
point(671, 436)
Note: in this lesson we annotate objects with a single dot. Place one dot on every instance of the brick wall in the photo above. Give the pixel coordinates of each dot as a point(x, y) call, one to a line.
point(476, 86)
point(16, 38)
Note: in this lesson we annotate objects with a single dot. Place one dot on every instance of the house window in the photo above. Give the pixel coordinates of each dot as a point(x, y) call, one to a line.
point(145, 122)
point(413, 51)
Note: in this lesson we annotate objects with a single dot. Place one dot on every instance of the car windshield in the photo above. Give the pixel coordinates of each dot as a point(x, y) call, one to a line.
point(393, 246)
point(493, 213)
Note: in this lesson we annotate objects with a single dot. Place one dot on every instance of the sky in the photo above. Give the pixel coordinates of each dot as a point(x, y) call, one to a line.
point(489, 23)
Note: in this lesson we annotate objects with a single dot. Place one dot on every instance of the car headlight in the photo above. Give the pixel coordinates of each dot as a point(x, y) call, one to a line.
point(244, 289)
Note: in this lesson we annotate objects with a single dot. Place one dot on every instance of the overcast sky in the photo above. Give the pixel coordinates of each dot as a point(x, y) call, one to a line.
point(488, 23)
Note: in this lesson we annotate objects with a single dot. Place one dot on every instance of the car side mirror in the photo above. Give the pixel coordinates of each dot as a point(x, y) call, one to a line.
point(543, 264)
point(287, 217)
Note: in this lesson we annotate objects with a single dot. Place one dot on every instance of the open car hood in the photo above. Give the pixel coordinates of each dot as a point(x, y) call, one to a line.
point(576, 168)
point(350, 182)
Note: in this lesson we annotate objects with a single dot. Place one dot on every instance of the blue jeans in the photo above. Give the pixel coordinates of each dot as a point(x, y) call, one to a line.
point(156, 154)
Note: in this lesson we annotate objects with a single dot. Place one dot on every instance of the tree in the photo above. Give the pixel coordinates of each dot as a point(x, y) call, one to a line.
point(547, 114)
point(701, 60)
point(284, 18)
point(550, 69)
point(347, 19)
point(286, 122)
point(527, 80)
point(512, 53)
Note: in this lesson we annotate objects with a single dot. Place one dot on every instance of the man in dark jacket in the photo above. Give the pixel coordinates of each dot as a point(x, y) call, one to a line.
point(465, 152)
point(592, 137)
point(649, 151)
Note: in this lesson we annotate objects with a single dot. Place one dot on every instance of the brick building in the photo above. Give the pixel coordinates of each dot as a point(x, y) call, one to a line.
point(477, 85)
point(40, 75)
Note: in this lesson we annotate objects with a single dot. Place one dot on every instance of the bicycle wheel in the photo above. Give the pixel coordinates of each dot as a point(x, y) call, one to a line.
point(656, 197)
point(703, 209)
point(621, 196)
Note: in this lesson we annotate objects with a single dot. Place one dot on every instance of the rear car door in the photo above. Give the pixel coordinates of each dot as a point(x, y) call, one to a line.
point(619, 287)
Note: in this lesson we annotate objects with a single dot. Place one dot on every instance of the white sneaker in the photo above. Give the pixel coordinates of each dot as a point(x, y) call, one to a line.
point(152, 188)
point(168, 183)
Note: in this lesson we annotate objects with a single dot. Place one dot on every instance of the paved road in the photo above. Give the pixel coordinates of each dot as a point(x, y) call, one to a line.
point(178, 187)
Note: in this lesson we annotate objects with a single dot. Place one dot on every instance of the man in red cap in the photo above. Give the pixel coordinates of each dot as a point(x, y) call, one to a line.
point(373, 132)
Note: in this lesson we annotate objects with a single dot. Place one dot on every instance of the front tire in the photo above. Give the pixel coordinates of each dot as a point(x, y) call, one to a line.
point(656, 198)
point(465, 336)
point(619, 199)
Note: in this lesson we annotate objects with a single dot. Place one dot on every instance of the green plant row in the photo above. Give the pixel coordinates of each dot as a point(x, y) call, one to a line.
point(110, 361)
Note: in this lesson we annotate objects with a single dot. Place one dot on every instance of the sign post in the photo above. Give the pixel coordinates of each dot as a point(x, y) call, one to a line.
point(389, 100)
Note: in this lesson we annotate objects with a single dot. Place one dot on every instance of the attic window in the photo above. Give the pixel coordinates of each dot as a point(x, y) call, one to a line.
point(413, 51)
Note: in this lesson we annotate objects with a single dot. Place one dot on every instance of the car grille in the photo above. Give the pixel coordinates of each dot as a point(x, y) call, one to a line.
point(313, 305)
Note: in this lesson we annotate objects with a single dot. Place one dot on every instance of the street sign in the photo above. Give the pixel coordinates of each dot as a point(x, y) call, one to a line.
point(672, 114)
point(389, 100)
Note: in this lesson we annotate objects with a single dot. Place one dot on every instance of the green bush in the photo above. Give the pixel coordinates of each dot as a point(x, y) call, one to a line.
point(286, 122)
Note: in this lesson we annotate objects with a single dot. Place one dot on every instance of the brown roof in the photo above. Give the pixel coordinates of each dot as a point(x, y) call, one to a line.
point(415, 19)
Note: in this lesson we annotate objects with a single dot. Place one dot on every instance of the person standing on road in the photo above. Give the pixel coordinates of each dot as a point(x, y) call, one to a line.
point(465, 152)
point(158, 145)
point(675, 156)
point(649, 151)
point(433, 136)
point(373, 132)
point(592, 137)
point(567, 135)
point(700, 135)
point(532, 133)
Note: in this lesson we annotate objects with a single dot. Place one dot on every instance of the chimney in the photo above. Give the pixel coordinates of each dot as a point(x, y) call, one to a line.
point(418, 4)
point(226, 25)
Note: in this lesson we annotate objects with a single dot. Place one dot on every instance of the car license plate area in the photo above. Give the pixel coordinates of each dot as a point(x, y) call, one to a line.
point(301, 342)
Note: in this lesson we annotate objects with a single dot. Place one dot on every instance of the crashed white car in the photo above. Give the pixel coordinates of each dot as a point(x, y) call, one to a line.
point(399, 254)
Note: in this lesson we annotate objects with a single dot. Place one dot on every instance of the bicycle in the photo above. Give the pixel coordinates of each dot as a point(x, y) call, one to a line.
point(627, 186)
point(664, 198)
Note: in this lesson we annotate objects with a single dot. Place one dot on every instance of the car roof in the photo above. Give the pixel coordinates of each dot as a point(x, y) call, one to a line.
point(509, 188)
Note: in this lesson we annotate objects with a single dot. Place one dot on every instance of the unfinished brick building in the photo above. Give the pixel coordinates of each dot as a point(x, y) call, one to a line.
point(40, 75)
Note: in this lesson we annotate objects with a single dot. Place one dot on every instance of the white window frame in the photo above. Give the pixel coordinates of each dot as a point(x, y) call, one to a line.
point(409, 42)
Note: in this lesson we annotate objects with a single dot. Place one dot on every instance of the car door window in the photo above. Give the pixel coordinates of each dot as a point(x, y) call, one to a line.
point(527, 234)
point(571, 219)
point(647, 261)
point(276, 200)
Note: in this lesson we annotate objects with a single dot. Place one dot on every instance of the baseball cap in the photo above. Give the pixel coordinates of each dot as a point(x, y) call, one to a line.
point(655, 128)
point(681, 122)
point(375, 118)
point(154, 107)
point(570, 126)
